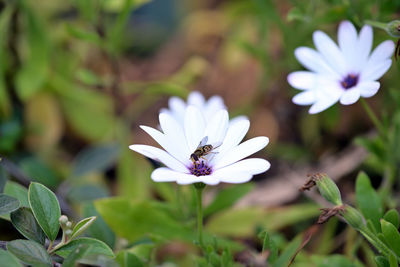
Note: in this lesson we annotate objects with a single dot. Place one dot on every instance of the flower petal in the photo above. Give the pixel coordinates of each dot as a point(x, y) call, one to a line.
point(374, 72)
point(177, 107)
point(161, 156)
point(240, 152)
point(194, 127)
point(305, 98)
point(368, 89)
point(217, 127)
point(213, 105)
point(196, 99)
point(322, 104)
point(174, 135)
point(302, 79)
point(350, 96)
point(313, 61)
point(237, 130)
point(168, 175)
point(347, 39)
point(364, 46)
point(330, 52)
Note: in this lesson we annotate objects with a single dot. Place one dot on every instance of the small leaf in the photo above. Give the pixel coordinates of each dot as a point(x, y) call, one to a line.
point(95, 159)
point(18, 191)
point(381, 261)
point(81, 226)
point(8, 204)
point(393, 261)
point(392, 216)
point(127, 259)
point(8, 259)
point(269, 244)
point(96, 247)
point(29, 252)
point(24, 221)
point(75, 255)
point(368, 200)
point(45, 207)
point(391, 235)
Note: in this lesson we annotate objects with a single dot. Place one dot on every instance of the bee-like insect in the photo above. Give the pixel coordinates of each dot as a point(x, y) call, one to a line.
point(203, 149)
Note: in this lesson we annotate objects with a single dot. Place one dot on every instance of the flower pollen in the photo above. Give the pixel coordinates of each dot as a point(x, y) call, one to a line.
point(200, 169)
point(350, 81)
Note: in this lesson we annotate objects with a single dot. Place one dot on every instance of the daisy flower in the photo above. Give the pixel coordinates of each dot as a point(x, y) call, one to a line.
point(340, 73)
point(183, 130)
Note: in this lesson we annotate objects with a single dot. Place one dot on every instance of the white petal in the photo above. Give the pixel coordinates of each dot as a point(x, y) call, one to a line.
point(373, 72)
point(302, 79)
point(161, 156)
point(305, 98)
point(194, 127)
point(233, 177)
point(213, 105)
point(364, 46)
point(177, 107)
point(252, 166)
point(330, 52)
point(240, 152)
point(217, 127)
point(237, 130)
point(196, 99)
point(368, 89)
point(350, 96)
point(347, 39)
point(313, 61)
point(166, 175)
point(321, 105)
point(382, 52)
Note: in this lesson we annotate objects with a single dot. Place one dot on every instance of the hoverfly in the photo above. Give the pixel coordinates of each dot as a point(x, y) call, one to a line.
point(203, 149)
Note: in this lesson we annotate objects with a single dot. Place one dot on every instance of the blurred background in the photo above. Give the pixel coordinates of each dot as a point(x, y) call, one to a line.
point(77, 78)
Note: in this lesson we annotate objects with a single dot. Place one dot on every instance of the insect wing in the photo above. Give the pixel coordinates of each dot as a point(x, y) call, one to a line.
point(216, 145)
point(203, 141)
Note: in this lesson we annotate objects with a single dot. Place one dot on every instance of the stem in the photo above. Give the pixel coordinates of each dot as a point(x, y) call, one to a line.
point(50, 246)
point(199, 190)
point(373, 118)
point(376, 24)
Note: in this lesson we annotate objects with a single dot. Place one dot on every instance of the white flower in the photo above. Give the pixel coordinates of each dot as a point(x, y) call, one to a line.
point(182, 132)
point(340, 73)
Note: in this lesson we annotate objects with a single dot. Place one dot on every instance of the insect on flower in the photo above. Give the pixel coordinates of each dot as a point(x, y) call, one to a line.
point(204, 149)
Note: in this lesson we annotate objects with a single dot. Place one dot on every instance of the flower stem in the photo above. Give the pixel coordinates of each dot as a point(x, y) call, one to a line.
point(373, 118)
point(376, 24)
point(199, 190)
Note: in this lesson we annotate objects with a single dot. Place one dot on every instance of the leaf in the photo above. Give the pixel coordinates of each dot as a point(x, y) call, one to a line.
point(75, 255)
point(45, 207)
point(391, 235)
point(288, 253)
point(29, 252)
point(18, 191)
point(227, 197)
point(8, 259)
point(86, 192)
point(95, 159)
point(24, 221)
point(81, 226)
point(96, 247)
point(99, 229)
point(393, 261)
point(8, 204)
point(39, 172)
point(269, 244)
point(127, 259)
point(392, 216)
point(368, 200)
point(5, 16)
point(381, 261)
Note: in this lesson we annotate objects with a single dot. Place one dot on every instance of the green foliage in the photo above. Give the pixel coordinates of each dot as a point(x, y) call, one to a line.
point(8, 259)
point(29, 252)
point(24, 221)
point(95, 247)
point(74, 256)
point(8, 204)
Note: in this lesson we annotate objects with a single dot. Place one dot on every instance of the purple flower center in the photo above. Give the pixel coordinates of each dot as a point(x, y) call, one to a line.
point(349, 81)
point(200, 169)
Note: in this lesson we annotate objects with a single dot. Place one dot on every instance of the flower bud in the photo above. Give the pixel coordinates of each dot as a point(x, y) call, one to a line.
point(68, 232)
point(393, 28)
point(328, 188)
point(63, 219)
point(353, 217)
point(68, 224)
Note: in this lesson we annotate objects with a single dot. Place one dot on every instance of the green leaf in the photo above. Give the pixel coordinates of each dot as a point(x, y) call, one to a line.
point(95, 159)
point(29, 252)
point(127, 259)
point(8, 204)
point(24, 221)
point(39, 172)
point(368, 200)
point(392, 216)
point(8, 259)
point(227, 197)
point(18, 191)
point(391, 235)
point(81, 226)
point(86, 192)
point(75, 255)
point(269, 244)
point(393, 261)
point(96, 247)
point(381, 261)
point(287, 254)
point(45, 207)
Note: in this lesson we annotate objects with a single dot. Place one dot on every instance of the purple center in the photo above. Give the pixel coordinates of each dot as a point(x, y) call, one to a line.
point(200, 169)
point(349, 81)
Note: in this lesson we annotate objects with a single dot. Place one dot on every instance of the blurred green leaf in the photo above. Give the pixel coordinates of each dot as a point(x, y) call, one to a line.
point(39, 172)
point(381, 261)
point(127, 259)
point(8, 259)
point(8, 204)
point(269, 244)
point(227, 197)
point(45, 207)
point(29, 252)
point(95, 247)
point(75, 255)
point(11, 133)
point(3, 179)
point(392, 216)
point(81, 226)
point(333, 260)
point(5, 16)
point(94, 159)
point(391, 235)
point(288, 253)
point(368, 200)
point(82, 34)
point(24, 221)
point(18, 191)
point(86, 192)
point(99, 229)
point(393, 261)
